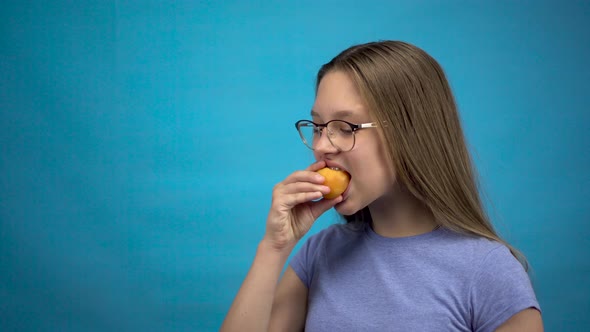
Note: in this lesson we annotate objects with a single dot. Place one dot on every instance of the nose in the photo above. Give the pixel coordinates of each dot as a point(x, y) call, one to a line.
point(323, 145)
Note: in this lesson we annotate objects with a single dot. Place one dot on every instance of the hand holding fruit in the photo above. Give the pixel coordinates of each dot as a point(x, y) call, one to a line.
point(295, 205)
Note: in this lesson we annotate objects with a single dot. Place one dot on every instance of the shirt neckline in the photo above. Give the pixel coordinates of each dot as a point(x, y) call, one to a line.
point(373, 236)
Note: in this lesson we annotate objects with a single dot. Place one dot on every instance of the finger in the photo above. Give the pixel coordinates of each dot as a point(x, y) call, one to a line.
point(318, 208)
point(316, 166)
point(298, 187)
point(304, 176)
point(291, 200)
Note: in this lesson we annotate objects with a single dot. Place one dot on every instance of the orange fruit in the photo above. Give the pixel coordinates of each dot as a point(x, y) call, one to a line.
point(336, 179)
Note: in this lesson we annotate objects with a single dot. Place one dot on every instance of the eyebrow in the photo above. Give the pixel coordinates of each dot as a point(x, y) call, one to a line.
point(337, 114)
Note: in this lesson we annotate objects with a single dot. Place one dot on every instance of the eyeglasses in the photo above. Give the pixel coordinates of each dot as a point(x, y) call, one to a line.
point(341, 134)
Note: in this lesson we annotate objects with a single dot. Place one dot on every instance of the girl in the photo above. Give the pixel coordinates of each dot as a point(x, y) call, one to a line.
point(417, 252)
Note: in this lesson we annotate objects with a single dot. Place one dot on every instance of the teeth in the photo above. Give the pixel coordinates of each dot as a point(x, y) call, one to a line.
point(335, 168)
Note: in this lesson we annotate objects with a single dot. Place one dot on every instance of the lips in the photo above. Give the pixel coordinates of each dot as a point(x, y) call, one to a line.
point(345, 193)
point(335, 165)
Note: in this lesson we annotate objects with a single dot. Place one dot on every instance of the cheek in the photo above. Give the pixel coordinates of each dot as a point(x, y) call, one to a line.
point(386, 163)
point(375, 170)
point(388, 172)
point(316, 156)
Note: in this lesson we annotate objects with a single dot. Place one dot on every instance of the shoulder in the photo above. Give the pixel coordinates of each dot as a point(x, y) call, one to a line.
point(497, 267)
point(486, 260)
point(498, 285)
point(325, 243)
point(333, 237)
point(479, 261)
point(474, 251)
point(338, 232)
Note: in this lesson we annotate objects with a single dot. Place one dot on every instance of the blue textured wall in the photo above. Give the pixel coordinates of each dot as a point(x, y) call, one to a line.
point(140, 141)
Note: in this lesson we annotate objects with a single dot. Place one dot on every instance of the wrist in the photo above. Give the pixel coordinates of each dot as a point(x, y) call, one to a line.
point(271, 247)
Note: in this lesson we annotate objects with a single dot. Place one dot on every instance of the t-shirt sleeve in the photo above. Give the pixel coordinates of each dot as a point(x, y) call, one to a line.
point(303, 261)
point(501, 288)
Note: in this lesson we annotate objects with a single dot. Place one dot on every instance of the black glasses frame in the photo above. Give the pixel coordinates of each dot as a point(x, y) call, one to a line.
point(353, 127)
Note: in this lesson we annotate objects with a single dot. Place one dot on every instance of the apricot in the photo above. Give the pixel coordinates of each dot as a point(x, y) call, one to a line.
point(336, 179)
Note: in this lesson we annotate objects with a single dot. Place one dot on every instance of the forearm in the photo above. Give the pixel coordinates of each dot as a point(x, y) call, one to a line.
point(252, 306)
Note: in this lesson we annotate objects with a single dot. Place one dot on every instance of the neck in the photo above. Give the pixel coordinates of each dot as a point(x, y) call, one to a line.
point(401, 215)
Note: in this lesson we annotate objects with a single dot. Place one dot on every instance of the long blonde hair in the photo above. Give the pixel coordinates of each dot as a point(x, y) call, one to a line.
point(407, 92)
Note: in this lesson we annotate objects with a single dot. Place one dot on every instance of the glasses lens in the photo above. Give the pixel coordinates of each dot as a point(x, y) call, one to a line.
point(341, 135)
point(308, 132)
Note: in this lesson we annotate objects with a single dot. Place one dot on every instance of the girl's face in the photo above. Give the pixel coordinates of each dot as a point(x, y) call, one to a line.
point(372, 175)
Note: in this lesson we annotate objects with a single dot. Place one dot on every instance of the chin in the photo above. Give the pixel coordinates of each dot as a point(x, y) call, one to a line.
point(347, 208)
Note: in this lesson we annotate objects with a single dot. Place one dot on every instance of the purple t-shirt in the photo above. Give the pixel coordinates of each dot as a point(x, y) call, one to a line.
point(438, 281)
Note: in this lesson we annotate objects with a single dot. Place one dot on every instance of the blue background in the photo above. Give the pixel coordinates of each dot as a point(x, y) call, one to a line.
point(141, 141)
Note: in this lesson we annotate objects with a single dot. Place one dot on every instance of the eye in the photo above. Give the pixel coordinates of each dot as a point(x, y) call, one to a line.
point(346, 130)
point(341, 127)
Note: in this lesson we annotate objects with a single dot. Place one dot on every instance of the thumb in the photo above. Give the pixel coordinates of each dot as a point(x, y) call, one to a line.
point(324, 205)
